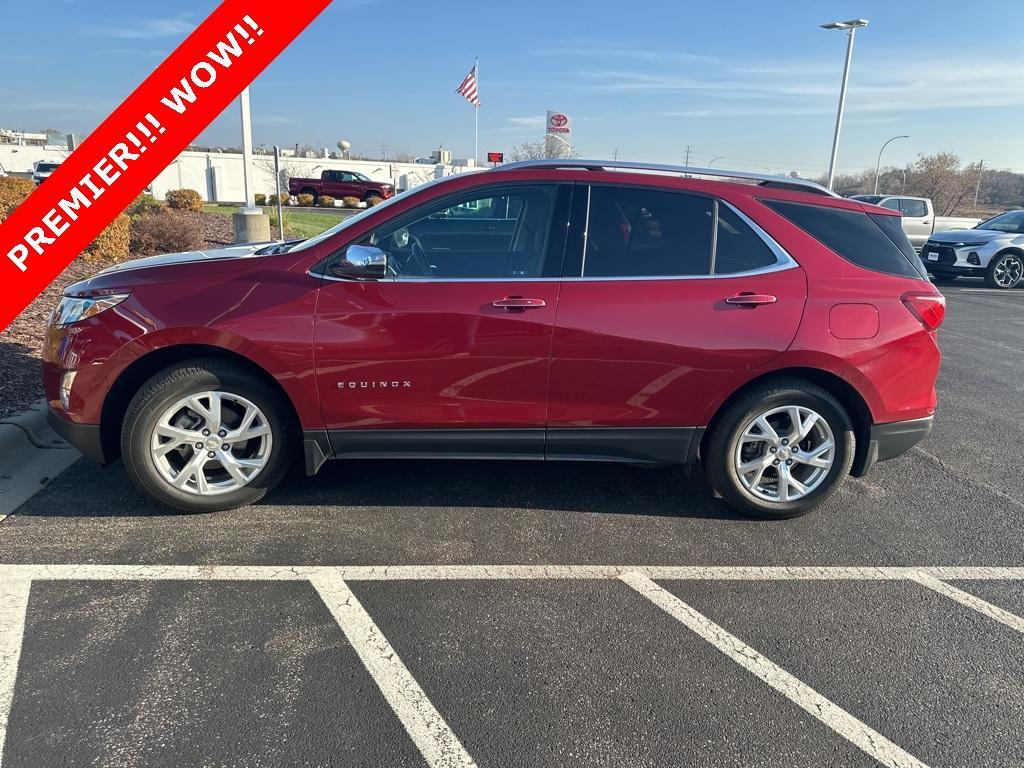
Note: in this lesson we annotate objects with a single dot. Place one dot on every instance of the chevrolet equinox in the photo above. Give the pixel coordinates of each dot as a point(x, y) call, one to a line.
point(781, 336)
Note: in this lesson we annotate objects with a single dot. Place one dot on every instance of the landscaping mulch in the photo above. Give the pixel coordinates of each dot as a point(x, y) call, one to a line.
point(21, 342)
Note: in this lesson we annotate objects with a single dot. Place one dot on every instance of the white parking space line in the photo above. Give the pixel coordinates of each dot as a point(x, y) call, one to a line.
point(437, 743)
point(13, 604)
point(498, 572)
point(839, 720)
point(1012, 620)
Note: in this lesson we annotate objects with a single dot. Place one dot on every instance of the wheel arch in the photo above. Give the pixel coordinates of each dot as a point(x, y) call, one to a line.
point(852, 401)
point(128, 382)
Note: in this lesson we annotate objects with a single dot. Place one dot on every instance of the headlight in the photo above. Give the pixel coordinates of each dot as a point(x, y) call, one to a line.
point(71, 310)
point(969, 245)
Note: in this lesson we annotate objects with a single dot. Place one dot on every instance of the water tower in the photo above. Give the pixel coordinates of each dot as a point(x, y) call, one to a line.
point(344, 146)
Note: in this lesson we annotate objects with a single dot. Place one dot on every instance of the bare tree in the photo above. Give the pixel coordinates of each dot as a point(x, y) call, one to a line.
point(941, 178)
point(289, 169)
point(548, 147)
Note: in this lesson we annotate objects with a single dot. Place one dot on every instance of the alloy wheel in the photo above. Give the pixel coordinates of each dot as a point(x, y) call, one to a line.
point(784, 454)
point(1008, 271)
point(211, 443)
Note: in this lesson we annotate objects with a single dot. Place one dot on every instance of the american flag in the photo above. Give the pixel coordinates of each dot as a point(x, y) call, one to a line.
point(468, 88)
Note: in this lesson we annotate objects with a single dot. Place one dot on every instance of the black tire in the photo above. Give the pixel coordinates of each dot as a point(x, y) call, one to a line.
point(1005, 270)
point(725, 435)
point(371, 195)
point(168, 386)
point(313, 192)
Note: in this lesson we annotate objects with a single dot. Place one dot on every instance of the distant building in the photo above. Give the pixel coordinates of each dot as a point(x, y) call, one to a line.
point(11, 137)
point(442, 156)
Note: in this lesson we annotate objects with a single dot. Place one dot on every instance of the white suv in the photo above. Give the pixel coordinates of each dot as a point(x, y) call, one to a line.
point(994, 250)
point(42, 169)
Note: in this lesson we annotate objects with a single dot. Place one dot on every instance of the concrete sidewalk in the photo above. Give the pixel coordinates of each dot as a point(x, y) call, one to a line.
point(31, 455)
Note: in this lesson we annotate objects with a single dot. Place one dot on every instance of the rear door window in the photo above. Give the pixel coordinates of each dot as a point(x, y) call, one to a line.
point(913, 209)
point(855, 236)
point(636, 232)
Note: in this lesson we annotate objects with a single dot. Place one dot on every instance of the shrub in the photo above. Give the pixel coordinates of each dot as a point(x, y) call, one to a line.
point(375, 200)
point(184, 200)
point(284, 197)
point(142, 205)
point(166, 231)
point(351, 202)
point(261, 199)
point(305, 200)
point(325, 201)
point(13, 192)
point(113, 243)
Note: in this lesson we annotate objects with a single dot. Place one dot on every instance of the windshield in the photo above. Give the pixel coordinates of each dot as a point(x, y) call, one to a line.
point(1011, 222)
point(372, 211)
point(47, 167)
point(360, 176)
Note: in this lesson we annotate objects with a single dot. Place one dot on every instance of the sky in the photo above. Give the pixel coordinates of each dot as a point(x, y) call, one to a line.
point(750, 84)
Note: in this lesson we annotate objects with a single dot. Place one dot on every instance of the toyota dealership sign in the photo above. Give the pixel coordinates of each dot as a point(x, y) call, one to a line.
point(559, 123)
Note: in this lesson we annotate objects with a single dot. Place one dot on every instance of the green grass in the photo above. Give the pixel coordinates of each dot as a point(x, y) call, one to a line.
point(296, 223)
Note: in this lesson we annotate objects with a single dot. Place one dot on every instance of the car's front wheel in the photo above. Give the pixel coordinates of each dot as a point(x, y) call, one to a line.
point(1005, 271)
point(780, 450)
point(206, 435)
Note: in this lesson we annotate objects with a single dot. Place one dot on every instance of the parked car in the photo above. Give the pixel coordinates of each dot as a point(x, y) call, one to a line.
point(3, 172)
point(919, 219)
point(994, 250)
point(341, 184)
point(780, 335)
point(42, 169)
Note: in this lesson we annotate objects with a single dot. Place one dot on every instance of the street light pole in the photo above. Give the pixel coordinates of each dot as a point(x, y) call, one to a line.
point(878, 165)
point(851, 28)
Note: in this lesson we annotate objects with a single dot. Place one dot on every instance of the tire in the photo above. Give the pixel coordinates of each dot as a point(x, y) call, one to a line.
point(1005, 270)
point(726, 449)
point(257, 463)
point(313, 192)
point(370, 195)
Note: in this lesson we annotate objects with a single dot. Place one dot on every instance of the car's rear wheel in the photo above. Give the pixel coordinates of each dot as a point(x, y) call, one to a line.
point(1005, 271)
point(313, 192)
point(780, 450)
point(206, 435)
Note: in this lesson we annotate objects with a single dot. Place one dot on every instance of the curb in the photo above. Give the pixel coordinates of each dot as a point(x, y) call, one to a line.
point(31, 456)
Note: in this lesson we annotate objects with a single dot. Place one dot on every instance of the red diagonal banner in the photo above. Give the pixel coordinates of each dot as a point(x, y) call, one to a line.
point(141, 138)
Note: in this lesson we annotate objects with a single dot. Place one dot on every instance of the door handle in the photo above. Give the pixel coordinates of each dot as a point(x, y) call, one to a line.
point(518, 303)
point(750, 299)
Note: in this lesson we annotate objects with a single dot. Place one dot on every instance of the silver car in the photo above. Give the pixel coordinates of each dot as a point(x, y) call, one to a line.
point(994, 250)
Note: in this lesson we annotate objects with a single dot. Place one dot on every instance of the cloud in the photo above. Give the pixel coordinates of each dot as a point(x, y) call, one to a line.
point(147, 28)
point(530, 121)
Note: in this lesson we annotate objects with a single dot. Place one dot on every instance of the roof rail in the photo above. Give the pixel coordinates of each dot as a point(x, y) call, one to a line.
point(764, 180)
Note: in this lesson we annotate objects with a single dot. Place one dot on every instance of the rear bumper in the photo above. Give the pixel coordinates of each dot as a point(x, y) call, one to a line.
point(84, 437)
point(887, 441)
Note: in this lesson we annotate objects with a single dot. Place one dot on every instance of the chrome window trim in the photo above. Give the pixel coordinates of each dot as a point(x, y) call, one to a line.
point(783, 262)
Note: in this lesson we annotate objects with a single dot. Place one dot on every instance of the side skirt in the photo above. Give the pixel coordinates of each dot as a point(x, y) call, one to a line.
point(637, 445)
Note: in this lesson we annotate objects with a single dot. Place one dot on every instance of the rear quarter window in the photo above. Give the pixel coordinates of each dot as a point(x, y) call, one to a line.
point(874, 242)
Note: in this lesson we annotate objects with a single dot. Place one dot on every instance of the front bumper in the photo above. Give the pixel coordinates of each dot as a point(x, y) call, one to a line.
point(84, 437)
point(950, 259)
point(887, 441)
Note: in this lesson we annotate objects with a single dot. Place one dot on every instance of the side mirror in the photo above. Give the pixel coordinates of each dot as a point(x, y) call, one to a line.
point(361, 262)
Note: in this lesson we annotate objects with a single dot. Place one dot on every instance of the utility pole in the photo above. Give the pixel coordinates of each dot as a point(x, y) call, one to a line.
point(616, 154)
point(977, 186)
point(686, 162)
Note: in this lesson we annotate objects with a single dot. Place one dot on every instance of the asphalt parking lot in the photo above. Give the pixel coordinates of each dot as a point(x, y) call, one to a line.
point(503, 614)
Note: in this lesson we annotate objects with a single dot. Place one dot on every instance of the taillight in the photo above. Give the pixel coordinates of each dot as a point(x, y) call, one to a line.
point(929, 308)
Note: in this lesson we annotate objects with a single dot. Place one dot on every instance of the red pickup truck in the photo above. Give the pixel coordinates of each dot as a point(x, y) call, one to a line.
point(340, 184)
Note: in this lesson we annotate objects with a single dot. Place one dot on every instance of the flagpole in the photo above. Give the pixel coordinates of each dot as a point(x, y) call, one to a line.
point(476, 117)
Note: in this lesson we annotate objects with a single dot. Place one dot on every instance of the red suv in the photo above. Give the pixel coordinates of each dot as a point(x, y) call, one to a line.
point(560, 310)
